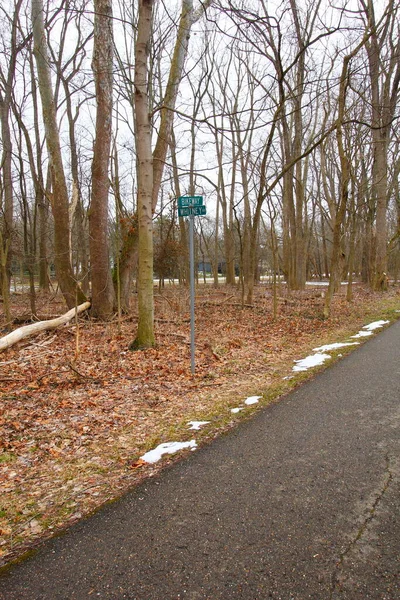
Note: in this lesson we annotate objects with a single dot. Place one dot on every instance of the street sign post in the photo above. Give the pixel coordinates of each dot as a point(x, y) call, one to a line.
point(191, 206)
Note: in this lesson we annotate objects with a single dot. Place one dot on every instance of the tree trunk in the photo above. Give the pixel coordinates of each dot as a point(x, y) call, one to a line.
point(335, 270)
point(102, 288)
point(188, 17)
point(384, 74)
point(6, 164)
point(7, 204)
point(145, 332)
point(5, 290)
point(59, 196)
point(184, 275)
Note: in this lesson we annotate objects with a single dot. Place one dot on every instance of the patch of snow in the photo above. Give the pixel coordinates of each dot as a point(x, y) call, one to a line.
point(236, 410)
point(361, 334)
point(323, 283)
point(334, 346)
point(252, 400)
point(375, 325)
point(167, 448)
point(197, 424)
point(310, 361)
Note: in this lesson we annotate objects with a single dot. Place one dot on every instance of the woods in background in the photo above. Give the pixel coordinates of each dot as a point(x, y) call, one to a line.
point(284, 118)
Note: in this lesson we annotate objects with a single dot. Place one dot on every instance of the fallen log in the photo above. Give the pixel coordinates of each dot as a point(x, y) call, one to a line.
point(27, 330)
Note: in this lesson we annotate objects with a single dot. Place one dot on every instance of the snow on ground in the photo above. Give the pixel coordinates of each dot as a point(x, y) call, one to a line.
point(334, 346)
point(252, 400)
point(167, 448)
point(368, 329)
point(197, 424)
point(171, 447)
point(303, 364)
point(323, 283)
point(318, 359)
point(361, 334)
point(313, 360)
point(375, 325)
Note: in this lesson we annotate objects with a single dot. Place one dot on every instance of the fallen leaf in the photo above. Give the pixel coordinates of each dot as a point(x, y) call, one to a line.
point(137, 464)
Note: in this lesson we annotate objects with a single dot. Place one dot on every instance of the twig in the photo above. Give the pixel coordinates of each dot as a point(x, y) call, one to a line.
point(78, 373)
point(241, 305)
point(228, 298)
point(40, 345)
point(178, 335)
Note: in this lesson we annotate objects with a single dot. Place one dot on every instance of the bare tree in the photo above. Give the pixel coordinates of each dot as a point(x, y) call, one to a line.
point(7, 80)
point(344, 180)
point(59, 195)
point(102, 287)
point(145, 332)
point(189, 16)
point(383, 51)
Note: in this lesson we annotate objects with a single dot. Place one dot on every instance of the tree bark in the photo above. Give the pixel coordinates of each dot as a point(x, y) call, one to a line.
point(5, 291)
point(59, 197)
point(384, 74)
point(145, 332)
point(103, 298)
point(335, 271)
point(6, 158)
point(188, 17)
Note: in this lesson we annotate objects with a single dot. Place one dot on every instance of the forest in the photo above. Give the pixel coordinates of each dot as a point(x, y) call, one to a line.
point(282, 115)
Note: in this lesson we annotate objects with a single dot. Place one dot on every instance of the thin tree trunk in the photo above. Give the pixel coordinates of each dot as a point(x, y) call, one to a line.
point(184, 275)
point(5, 291)
point(188, 17)
point(102, 288)
point(6, 158)
point(335, 271)
point(145, 332)
point(59, 196)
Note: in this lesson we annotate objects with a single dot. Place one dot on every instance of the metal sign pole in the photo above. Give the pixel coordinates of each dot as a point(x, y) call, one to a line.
point(191, 206)
point(191, 253)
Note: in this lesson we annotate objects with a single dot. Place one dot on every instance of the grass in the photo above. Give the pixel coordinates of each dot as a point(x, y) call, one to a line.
point(7, 457)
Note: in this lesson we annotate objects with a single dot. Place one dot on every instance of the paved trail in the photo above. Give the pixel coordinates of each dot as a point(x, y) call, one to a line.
point(300, 502)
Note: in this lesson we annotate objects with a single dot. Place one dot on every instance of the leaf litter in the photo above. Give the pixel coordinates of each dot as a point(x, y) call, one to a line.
point(75, 429)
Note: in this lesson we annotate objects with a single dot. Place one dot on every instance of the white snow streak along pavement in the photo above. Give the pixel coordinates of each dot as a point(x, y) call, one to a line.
point(313, 360)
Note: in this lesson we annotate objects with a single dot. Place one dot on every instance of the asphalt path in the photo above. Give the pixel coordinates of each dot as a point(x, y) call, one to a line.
point(302, 501)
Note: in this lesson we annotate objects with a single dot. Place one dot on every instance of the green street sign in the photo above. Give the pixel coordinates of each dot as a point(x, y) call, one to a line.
point(192, 211)
point(190, 201)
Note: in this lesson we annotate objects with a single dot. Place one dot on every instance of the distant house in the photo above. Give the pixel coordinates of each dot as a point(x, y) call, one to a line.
point(204, 267)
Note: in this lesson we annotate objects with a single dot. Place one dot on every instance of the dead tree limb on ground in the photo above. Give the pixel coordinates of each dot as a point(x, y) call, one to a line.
point(27, 330)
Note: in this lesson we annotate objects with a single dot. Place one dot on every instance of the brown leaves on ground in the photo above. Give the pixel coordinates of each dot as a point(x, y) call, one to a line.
point(73, 428)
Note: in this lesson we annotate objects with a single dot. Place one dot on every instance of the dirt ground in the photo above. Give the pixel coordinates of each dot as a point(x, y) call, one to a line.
point(78, 409)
